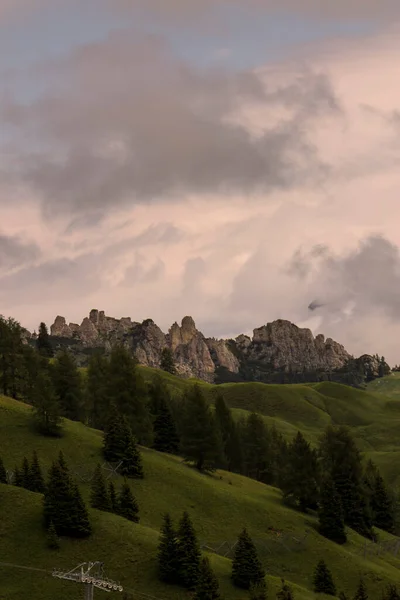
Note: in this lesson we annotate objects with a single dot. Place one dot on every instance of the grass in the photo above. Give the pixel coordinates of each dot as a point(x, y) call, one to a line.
point(220, 505)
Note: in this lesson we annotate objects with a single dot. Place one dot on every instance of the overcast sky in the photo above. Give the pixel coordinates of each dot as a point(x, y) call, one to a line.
point(237, 161)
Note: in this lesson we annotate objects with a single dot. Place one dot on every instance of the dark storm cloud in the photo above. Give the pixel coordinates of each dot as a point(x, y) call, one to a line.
point(125, 121)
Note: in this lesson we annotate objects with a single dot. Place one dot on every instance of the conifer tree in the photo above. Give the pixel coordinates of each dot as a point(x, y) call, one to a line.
point(11, 357)
point(207, 587)
point(258, 591)
point(18, 480)
point(246, 566)
point(331, 521)
point(36, 477)
point(43, 343)
point(323, 581)
point(120, 445)
point(255, 449)
point(342, 596)
point(25, 474)
point(47, 410)
point(167, 362)
point(127, 392)
point(361, 593)
point(285, 592)
point(381, 506)
point(80, 524)
point(127, 505)
point(3, 472)
point(53, 541)
point(96, 391)
point(99, 496)
point(68, 386)
point(299, 481)
point(199, 440)
point(168, 553)
point(113, 497)
point(166, 437)
point(391, 593)
point(231, 447)
point(189, 553)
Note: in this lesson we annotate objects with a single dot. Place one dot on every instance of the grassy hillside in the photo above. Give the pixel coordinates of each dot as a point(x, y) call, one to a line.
point(220, 505)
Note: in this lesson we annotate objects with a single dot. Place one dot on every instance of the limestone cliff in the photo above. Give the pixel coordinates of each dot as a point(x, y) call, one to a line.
point(279, 346)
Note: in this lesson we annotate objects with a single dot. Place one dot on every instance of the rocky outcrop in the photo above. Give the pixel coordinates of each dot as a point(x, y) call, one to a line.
point(277, 347)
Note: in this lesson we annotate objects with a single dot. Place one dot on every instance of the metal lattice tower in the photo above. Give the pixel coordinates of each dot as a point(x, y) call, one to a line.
point(91, 576)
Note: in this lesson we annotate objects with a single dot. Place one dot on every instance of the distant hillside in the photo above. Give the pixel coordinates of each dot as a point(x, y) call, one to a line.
point(278, 352)
point(220, 505)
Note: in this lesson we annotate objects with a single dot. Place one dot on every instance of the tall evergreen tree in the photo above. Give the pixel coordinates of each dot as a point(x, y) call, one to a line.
point(120, 445)
point(99, 496)
point(43, 343)
point(342, 460)
point(189, 553)
point(167, 362)
point(323, 580)
point(199, 440)
point(331, 520)
point(127, 392)
point(11, 357)
point(113, 497)
point(127, 505)
point(168, 553)
point(36, 477)
point(207, 587)
point(3, 472)
point(53, 541)
point(246, 566)
point(255, 448)
point(258, 591)
point(361, 593)
point(165, 437)
point(231, 446)
point(380, 502)
point(68, 386)
point(285, 592)
point(97, 400)
point(46, 408)
point(25, 474)
point(299, 482)
point(80, 524)
point(391, 593)
point(18, 480)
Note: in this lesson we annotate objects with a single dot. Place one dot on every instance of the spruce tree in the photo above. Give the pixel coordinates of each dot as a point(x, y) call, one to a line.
point(361, 593)
point(18, 480)
point(43, 343)
point(11, 357)
point(36, 477)
point(189, 553)
point(25, 474)
point(3, 472)
point(165, 437)
point(391, 593)
point(99, 496)
point(80, 524)
point(47, 410)
point(96, 393)
point(323, 581)
point(68, 386)
point(120, 445)
point(285, 592)
point(167, 362)
point(113, 497)
point(53, 541)
point(127, 505)
point(258, 591)
point(256, 449)
point(330, 514)
point(299, 481)
point(231, 447)
point(168, 553)
point(246, 566)
point(199, 440)
point(207, 587)
point(381, 506)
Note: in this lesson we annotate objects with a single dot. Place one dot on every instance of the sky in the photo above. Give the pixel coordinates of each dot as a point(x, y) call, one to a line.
point(236, 161)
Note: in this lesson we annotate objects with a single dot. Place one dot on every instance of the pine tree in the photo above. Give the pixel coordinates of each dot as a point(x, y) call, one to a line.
point(25, 474)
point(331, 521)
point(96, 393)
point(258, 591)
point(286, 592)
point(36, 477)
point(231, 447)
point(18, 479)
point(189, 553)
point(81, 526)
point(246, 566)
point(168, 553)
point(53, 541)
point(299, 481)
point(199, 440)
point(11, 357)
point(3, 472)
point(67, 382)
point(120, 445)
point(381, 506)
point(113, 497)
point(207, 587)
point(99, 496)
point(127, 392)
point(323, 581)
point(43, 343)
point(361, 593)
point(255, 448)
point(127, 505)
point(391, 593)
point(167, 362)
point(47, 411)
point(166, 438)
